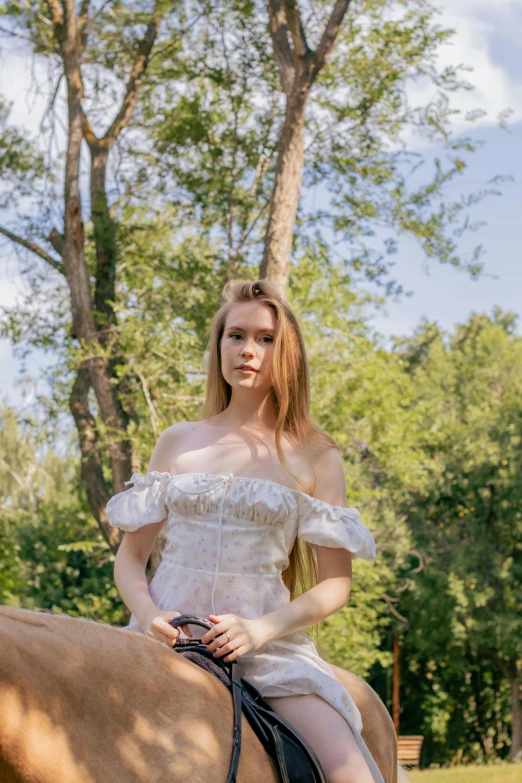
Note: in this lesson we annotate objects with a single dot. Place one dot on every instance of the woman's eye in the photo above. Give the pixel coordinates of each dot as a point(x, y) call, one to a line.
point(266, 337)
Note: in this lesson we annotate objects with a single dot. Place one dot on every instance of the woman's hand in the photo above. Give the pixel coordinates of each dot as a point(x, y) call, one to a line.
point(157, 626)
point(244, 635)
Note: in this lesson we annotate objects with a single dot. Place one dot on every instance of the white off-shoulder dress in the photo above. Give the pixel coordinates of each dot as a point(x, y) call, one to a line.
point(228, 540)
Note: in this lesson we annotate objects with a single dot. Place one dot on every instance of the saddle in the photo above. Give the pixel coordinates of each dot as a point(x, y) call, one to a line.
point(295, 758)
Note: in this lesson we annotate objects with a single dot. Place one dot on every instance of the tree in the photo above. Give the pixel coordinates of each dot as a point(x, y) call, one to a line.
point(467, 524)
point(53, 554)
point(199, 149)
point(299, 67)
point(228, 143)
point(75, 38)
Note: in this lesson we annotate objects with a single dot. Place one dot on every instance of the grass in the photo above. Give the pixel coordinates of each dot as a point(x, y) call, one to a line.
point(505, 773)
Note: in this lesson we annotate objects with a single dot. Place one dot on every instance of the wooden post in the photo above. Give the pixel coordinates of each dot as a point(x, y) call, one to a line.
point(396, 684)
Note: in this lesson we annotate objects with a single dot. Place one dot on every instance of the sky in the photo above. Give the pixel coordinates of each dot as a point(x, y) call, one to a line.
point(487, 39)
point(446, 295)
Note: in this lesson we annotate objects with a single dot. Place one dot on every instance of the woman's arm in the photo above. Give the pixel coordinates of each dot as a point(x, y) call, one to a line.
point(133, 553)
point(322, 600)
point(129, 571)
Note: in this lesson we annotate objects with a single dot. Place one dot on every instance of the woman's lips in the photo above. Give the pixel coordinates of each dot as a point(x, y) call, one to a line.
point(245, 369)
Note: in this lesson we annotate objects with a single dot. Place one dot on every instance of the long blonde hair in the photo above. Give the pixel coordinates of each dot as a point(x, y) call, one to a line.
point(291, 390)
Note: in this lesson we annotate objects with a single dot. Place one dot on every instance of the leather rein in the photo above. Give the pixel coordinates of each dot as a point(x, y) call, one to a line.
point(231, 671)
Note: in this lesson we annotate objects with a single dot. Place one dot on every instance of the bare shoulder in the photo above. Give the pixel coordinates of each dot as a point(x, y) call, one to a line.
point(167, 445)
point(178, 429)
point(330, 481)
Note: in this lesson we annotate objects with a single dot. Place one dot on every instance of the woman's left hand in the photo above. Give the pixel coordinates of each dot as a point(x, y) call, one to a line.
point(243, 636)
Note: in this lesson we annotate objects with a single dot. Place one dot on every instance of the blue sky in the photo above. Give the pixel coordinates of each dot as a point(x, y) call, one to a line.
point(488, 34)
point(449, 296)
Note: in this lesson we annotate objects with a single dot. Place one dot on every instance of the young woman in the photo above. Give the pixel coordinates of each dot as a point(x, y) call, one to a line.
point(237, 490)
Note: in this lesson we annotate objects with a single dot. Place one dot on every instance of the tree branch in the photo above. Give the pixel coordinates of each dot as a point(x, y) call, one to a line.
point(330, 34)
point(56, 12)
point(100, 11)
point(83, 18)
point(84, 9)
point(88, 133)
point(293, 16)
point(389, 603)
point(56, 239)
point(138, 70)
point(282, 50)
point(34, 248)
point(131, 93)
point(16, 476)
point(13, 34)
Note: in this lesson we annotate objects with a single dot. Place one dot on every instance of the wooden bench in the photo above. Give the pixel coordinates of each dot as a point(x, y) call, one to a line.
point(410, 750)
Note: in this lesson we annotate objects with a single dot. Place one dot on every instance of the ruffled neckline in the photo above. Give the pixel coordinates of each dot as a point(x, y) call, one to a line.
point(155, 475)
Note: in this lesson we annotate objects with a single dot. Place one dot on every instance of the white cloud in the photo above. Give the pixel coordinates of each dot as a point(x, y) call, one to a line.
point(479, 26)
point(25, 85)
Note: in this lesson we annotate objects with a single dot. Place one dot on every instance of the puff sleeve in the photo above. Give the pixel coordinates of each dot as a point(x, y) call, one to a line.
point(322, 524)
point(141, 505)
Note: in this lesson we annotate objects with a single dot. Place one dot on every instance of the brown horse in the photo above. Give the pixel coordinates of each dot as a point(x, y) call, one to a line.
point(83, 702)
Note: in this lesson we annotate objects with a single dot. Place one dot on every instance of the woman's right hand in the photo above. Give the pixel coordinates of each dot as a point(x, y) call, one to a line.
point(158, 627)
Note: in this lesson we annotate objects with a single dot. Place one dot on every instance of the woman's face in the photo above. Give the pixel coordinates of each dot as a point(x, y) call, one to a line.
point(248, 339)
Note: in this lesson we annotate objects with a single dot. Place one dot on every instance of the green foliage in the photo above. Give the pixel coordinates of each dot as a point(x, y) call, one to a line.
point(63, 572)
point(430, 433)
point(20, 166)
point(190, 181)
point(52, 553)
point(464, 610)
point(11, 584)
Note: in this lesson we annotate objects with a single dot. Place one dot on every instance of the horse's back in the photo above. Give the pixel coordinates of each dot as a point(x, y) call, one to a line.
point(378, 730)
point(83, 702)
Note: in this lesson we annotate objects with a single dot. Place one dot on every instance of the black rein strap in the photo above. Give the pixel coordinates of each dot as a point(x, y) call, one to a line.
point(233, 675)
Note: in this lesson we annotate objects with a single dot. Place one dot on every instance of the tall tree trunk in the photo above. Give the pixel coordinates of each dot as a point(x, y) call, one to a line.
point(396, 684)
point(298, 66)
point(73, 248)
point(91, 461)
point(81, 303)
point(515, 751)
point(94, 327)
point(104, 240)
point(277, 254)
